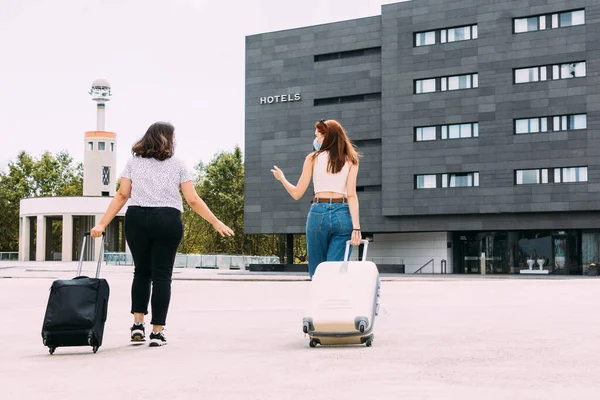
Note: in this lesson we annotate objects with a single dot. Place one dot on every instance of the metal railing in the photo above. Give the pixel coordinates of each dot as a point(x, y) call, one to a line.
point(209, 261)
point(432, 262)
point(9, 256)
point(443, 267)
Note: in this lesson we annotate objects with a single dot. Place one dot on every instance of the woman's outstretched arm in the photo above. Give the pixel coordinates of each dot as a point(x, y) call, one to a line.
point(200, 207)
point(296, 191)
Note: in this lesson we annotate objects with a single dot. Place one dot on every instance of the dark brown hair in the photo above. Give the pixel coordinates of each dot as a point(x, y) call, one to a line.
point(157, 143)
point(337, 144)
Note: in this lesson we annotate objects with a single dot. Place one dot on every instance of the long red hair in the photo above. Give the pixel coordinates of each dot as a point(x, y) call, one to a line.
point(337, 144)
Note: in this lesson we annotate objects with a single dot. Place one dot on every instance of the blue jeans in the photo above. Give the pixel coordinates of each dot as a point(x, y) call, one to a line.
point(328, 227)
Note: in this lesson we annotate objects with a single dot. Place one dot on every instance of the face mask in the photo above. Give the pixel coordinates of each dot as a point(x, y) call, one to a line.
point(174, 144)
point(316, 145)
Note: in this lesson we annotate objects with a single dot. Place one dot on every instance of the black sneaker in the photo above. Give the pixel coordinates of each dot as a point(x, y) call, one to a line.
point(157, 339)
point(138, 332)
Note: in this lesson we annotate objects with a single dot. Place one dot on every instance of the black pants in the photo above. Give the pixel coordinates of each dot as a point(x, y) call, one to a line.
point(153, 235)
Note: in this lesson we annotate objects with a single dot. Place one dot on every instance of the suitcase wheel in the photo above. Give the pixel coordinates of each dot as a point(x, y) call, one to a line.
point(313, 343)
point(51, 350)
point(362, 326)
point(95, 349)
point(369, 342)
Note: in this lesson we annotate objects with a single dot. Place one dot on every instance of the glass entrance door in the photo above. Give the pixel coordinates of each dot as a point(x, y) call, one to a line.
point(470, 246)
point(560, 254)
point(468, 255)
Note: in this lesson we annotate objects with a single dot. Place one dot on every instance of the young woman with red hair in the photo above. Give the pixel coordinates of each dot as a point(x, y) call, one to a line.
point(333, 217)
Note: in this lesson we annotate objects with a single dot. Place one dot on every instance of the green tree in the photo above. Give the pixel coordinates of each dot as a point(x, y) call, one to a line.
point(220, 183)
point(27, 177)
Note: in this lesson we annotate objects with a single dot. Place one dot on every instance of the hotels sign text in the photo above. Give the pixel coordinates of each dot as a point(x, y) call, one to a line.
point(280, 98)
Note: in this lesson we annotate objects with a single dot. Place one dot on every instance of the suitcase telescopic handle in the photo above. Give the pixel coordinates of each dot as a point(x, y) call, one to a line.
point(101, 253)
point(364, 255)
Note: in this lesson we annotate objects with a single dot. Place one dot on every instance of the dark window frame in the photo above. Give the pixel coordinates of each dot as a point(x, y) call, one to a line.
point(340, 55)
point(455, 27)
point(354, 98)
point(548, 20)
point(549, 72)
point(438, 34)
point(438, 83)
point(438, 131)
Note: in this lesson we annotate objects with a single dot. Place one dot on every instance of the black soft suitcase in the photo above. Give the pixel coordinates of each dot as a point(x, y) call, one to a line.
point(77, 309)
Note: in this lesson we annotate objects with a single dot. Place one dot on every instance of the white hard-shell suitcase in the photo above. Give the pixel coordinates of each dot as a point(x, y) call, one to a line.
point(343, 302)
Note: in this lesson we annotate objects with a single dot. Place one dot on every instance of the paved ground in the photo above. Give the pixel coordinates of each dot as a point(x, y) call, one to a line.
point(443, 338)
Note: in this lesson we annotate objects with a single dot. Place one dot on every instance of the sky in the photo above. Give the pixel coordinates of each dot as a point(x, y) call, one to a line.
point(180, 61)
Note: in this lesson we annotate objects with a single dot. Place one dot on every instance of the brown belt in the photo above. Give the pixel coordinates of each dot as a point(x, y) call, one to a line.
point(319, 200)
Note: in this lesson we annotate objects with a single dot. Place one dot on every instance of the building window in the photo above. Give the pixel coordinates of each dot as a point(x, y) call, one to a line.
point(425, 86)
point(468, 179)
point(532, 74)
point(570, 70)
point(425, 133)
point(443, 132)
point(550, 175)
point(530, 24)
point(369, 188)
point(555, 123)
point(459, 82)
point(446, 83)
point(460, 131)
point(112, 147)
point(446, 35)
point(356, 98)
point(549, 21)
point(545, 72)
point(101, 146)
point(347, 54)
point(570, 175)
point(426, 181)
point(90, 146)
point(105, 175)
point(570, 18)
point(455, 180)
point(532, 176)
point(458, 34)
point(569, 122)
point(424, 38)
point(531, 125)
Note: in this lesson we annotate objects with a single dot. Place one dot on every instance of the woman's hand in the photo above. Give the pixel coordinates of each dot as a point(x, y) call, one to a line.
point(356, 238)
point(97, 231)
point(223, 229)
point(277, 173)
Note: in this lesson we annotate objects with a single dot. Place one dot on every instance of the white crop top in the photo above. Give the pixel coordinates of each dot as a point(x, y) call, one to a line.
point(324, 181)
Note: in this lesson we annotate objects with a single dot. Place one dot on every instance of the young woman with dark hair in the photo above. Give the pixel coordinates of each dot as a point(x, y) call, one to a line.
point(153, 227)
point(333, 217)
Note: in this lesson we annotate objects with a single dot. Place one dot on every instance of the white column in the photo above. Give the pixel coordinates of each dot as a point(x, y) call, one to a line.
point(24, 239)
point(100, 117)
point(67, 237)
point(97, 241)
point(40, 249)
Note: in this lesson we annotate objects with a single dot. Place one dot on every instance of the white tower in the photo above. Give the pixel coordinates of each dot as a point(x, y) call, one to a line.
point(100, 154)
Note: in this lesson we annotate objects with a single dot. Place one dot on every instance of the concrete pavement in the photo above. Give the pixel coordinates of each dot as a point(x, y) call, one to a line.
point(235, 339)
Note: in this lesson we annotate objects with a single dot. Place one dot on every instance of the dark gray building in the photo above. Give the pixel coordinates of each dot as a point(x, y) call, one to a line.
point(478, 122)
